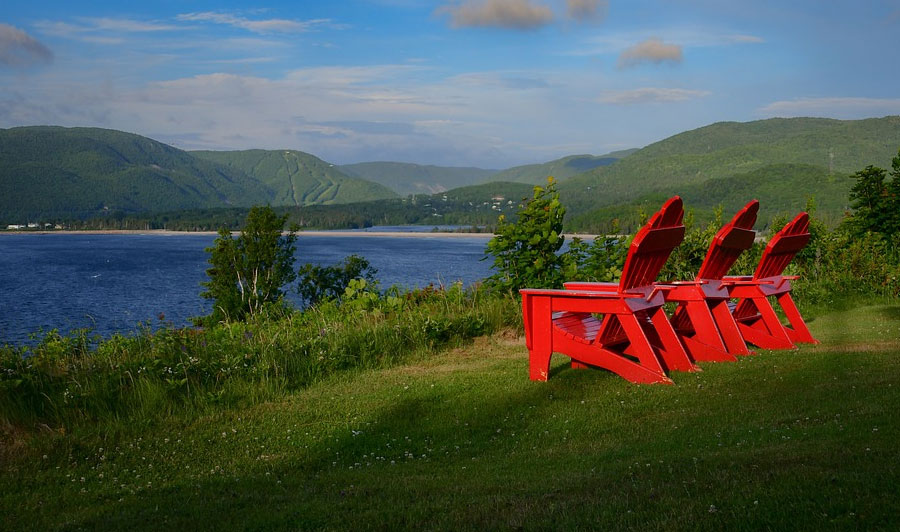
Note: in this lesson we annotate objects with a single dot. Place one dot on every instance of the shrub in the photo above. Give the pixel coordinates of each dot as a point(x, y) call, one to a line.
point(318, 283)
point(526, 252)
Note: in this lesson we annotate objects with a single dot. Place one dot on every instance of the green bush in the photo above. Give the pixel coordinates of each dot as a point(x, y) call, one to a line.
point(526, 252)
point(318, 283)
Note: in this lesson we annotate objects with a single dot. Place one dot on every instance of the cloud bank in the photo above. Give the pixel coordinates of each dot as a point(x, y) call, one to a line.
point(650, 95)
point(650, 51)
point(833, 107)
point(274, 25)
point(18, 49)
point(508, 14)
point(587, 9)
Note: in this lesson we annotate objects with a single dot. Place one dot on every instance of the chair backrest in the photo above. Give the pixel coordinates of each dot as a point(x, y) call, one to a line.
point(782, 247)
point(733, 238)
point(652, 245)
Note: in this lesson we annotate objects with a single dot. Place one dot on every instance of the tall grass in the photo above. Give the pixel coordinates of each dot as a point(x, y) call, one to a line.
point(66, 381)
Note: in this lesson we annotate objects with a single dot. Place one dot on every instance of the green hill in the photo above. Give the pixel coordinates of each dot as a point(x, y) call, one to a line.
point(407, 178)
point(560, 169)
point(298, 178)
point(53, 172)
point(737, 150)
point(782, 190)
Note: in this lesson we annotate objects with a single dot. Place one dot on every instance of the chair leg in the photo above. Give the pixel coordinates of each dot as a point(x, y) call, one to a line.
point(798, 332)
point(641, 348)
point(728, 328)
point(706, 344)
point(541, 345)
point(767, 332)
point(673, 352)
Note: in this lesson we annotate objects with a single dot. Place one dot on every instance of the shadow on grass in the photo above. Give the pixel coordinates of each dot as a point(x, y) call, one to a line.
point(396, 458)
point(892, 312)
point(761, 443)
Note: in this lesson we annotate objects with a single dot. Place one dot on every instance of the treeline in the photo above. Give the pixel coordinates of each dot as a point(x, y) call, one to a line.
point(454, 208)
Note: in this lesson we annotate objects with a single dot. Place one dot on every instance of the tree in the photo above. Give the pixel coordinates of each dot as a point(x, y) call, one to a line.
point(318, 283)
point(893, 198)
point(867, 198)
point(525, 252)
point(249, 272)
point(876, 201)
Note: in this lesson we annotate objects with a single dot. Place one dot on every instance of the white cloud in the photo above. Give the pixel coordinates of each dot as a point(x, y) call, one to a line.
point(342, 114)
point(650, 95)
point(739, 39)
point(273, 25)
point(587, 9)
point(834, 107)
point(18, 49)
point(609, 43)
point(87, 25)
point(650, 51)
point(509, 14)
point(125, 25)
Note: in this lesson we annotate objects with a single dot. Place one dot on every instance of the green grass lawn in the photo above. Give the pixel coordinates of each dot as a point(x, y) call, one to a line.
point(803, 439)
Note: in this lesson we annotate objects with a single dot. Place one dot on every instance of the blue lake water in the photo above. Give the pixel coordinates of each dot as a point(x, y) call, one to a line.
point(112, 282)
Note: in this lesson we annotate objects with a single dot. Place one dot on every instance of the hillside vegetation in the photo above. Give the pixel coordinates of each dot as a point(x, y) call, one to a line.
point(782, 189)
point(560, 169)
point(477, 205)
point(737, 150)
point(408, 178)
point(298, 178)
point(55, 172)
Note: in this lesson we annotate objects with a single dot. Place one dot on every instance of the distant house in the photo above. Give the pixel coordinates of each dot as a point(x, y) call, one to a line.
point(33, 226)
point(14, 227)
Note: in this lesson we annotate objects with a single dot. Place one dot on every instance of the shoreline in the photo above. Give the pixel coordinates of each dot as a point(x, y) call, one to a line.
point(300, 234)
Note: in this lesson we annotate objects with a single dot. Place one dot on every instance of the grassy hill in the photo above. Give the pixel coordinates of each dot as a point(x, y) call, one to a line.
point(408, 178)
point(560, 169)
point(298, 178)
point(737, 150)
point(54, 172)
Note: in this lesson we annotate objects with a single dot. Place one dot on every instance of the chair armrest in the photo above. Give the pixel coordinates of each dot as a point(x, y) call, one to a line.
point(590, 294)
point(742, 282)
point(587, 285)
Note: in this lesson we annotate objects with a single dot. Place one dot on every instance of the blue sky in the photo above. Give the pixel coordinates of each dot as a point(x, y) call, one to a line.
point(490, 83)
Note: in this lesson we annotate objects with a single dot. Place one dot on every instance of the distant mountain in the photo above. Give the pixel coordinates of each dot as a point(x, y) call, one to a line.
point(560, 169)
point(53, 172)
point(298, 178)
point(690, 160)
point(408, 178)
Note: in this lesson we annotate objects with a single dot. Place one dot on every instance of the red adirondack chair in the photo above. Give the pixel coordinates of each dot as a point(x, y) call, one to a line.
point(633, 338)
point(702, 318)
point(754, 313)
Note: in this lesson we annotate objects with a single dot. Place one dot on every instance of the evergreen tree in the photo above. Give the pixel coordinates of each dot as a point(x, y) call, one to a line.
point(868, 199)
point(249, 272)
